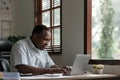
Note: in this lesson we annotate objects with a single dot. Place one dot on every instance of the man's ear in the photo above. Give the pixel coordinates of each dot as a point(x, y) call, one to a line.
point(35, 35)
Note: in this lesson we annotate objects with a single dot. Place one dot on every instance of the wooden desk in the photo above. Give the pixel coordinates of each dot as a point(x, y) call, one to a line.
point(77, 77)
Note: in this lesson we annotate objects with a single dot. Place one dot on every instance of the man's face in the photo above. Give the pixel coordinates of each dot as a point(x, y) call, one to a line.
point(43, 40)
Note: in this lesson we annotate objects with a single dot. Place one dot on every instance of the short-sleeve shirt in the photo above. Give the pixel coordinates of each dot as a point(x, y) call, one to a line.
point(24, 52)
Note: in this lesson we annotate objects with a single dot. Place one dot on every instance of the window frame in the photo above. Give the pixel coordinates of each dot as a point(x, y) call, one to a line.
point(38, 21)
point(87, 35)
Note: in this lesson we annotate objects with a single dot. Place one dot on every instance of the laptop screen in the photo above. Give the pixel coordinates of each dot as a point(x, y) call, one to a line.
point(80, 64)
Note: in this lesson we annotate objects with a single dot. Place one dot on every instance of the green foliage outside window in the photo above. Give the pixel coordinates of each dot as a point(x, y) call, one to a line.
point(106, 41)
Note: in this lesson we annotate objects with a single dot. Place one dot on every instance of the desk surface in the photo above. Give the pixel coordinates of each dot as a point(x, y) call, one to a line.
point(77, 77)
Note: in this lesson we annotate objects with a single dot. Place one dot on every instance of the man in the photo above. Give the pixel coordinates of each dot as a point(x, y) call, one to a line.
point(29, 55)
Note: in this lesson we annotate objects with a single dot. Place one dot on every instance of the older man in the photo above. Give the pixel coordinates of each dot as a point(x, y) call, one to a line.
point(29, 55)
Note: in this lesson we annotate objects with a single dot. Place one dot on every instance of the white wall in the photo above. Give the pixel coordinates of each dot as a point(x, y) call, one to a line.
point(72, 31)
point(23, 17)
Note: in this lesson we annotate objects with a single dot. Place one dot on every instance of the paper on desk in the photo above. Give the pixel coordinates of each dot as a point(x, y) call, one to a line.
point(44, 76)
point(53, 75)
point(28, 74)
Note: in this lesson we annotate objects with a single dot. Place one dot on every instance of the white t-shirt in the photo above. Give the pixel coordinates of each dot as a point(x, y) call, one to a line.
point(24, 52)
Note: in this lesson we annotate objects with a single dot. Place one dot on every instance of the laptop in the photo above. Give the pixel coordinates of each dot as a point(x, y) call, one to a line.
point(80, 64)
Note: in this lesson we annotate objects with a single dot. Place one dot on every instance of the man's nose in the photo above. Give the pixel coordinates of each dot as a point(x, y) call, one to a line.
point(47, 43)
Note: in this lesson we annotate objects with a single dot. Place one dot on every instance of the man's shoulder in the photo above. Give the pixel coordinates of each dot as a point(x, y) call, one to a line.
point(21, 41)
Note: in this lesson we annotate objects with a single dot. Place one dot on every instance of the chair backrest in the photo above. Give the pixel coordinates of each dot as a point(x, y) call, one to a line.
point(5, 65)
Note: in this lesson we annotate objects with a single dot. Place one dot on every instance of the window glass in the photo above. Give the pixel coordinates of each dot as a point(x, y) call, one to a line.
point(56, 36)
point(46, 18)
point(56, 17)
point(105, 29)
point(45, 4)
point(56, 3)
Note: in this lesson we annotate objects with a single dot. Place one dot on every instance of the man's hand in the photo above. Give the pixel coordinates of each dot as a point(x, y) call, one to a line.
point(65, 70)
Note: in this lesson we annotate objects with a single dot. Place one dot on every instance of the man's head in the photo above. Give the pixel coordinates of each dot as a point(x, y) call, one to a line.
point(41, 36)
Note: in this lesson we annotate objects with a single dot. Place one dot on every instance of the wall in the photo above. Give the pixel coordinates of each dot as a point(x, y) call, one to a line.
point(72, 31)
point(23, 17)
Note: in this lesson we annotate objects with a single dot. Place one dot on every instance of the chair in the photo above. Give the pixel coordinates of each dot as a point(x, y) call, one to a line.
point(5, 65)
point(5, 48)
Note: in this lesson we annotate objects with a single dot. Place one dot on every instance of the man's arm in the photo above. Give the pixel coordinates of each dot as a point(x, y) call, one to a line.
point(37, 71)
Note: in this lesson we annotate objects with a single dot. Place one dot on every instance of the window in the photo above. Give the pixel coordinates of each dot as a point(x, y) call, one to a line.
point(102, 27)
point(48, 12)
point(5, 28)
